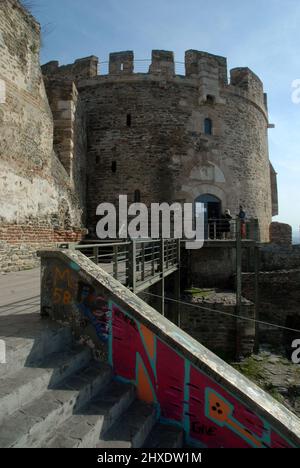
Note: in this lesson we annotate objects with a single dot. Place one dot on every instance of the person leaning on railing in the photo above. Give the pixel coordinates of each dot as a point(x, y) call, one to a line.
point(219, 228)
point(242, 216)
point(226, 224)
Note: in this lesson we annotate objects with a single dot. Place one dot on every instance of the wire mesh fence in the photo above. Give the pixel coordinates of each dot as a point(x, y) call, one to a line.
point(140, 66)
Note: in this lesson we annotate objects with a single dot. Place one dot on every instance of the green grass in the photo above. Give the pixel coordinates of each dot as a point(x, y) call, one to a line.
point(254, 371)
point(274, 393)
point(251, 369)
point(197, 292)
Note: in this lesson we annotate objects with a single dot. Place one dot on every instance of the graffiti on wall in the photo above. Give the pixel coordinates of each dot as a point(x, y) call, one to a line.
point(92, 307)
point(184, 395)
point(95, 309)
point(64, 286)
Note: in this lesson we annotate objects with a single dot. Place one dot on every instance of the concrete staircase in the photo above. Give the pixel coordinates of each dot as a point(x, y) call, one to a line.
point(53, 394)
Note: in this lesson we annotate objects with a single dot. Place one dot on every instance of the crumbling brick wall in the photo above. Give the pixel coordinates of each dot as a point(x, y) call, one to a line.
point(274, 257)
point(280, 233)
point(36, 191)
point(279, 298)
point(215, 326)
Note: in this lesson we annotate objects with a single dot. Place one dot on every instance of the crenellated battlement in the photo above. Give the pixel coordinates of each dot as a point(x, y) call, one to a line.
point(245, 80)
point(161, 63)
point(197, 62)
point(121, 63)
point(207, 71)
point(83, 68)
point(204, 128)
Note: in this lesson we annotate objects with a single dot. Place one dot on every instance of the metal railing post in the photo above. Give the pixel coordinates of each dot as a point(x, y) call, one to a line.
point(95, 254)
point(162, 270)
point(238, 284)
point(143, 261)
point(153, 258)
point(132, 266)
point(256, 289)
point(115, 261)
point(256, 230)
point(178, 282)
point(178, 259)
point(167, 253)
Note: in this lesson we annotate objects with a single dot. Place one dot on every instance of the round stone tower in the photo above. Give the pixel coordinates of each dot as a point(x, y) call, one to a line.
point(159, 136)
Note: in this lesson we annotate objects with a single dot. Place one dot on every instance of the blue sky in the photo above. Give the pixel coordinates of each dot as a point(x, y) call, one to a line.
point(261, 34)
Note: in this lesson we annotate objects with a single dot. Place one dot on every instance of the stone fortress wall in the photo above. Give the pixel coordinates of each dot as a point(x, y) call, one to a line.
point(39, 203)
point(146, 132)
point(72, 138)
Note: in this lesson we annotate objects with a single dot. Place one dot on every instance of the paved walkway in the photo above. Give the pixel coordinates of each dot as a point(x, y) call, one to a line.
point(20, 292)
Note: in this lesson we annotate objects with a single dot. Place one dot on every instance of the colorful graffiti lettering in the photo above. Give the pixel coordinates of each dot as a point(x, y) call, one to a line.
point(95, 309)
point(68, 291)
point(184, 395)
point(64, 286)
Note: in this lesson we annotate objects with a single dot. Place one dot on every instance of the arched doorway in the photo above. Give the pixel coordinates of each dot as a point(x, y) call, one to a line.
point(212, 207)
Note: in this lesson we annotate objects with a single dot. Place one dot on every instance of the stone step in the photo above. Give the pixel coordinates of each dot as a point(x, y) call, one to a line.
point(32, 423)
point(164, 436)
point(84, 429)
point(132, 429)
point(29, 383)
point(29, 341)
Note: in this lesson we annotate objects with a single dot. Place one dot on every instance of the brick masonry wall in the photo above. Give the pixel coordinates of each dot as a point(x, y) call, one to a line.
point(19, 244)
point(164, 142)
point(279, 257)
point(219, 332)
point(15, 234)
point(165, 139)
point(279, 298)
point(70, 132)
point(281, 233)
point(211, 267)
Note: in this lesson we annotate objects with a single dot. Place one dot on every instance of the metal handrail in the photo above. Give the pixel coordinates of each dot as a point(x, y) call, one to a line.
point(137, 263)
point(140, 66)
point(216, 227)
point(91, 246)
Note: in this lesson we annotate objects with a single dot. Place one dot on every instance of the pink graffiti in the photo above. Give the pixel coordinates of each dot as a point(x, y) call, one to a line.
point(185, 395)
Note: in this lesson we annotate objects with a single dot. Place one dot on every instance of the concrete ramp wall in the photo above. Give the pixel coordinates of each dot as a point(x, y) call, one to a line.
point(190, 386)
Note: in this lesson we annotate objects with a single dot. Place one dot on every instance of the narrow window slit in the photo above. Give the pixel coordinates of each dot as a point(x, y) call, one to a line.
point(114, 167)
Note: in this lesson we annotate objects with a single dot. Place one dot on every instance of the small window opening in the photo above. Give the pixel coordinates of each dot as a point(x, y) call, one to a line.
point(128, 120)
point(122, 67)
point(114, 167)
point(97, 159)
point(208, 127)
point(137, 196)
point(210, 99)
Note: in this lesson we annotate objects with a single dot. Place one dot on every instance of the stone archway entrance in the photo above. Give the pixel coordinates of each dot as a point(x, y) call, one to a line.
point(212, 209)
